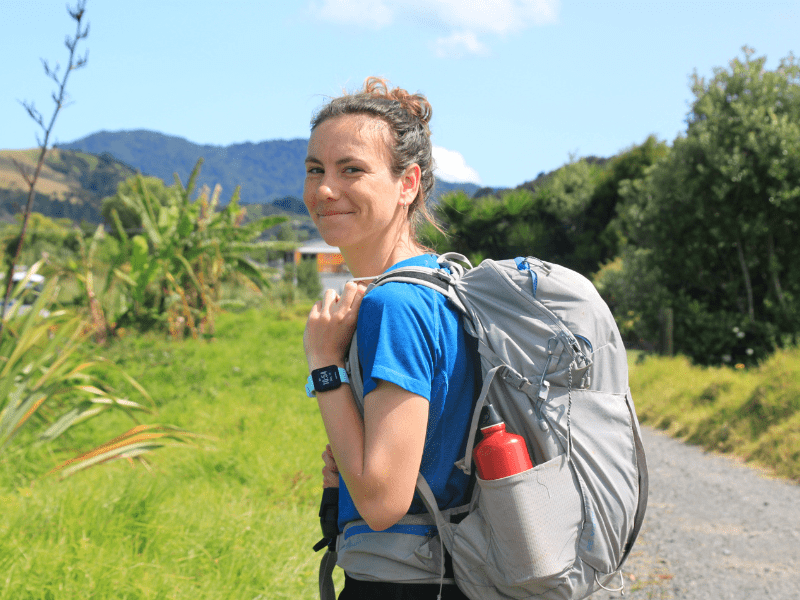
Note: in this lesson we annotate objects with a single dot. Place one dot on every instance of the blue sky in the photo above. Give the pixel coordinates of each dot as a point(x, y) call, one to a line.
point(517, 86)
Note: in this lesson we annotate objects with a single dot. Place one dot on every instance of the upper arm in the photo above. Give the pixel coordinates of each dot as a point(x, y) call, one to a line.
point(395, 424)
point(397, 350)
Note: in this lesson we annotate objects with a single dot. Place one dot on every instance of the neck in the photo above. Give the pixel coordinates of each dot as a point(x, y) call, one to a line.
point(367, 262)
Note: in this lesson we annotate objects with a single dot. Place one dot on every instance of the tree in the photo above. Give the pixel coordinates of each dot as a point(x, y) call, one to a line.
point(308, 280)
point(721, 213)
point(567, 217)
point(599, 236)
point(514, 225)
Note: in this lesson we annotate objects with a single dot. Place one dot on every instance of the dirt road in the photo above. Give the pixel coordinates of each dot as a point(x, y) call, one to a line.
point(715, 529)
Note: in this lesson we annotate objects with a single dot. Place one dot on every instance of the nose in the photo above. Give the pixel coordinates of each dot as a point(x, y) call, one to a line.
point(327, 189)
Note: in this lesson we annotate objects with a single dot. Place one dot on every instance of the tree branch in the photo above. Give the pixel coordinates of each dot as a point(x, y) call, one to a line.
point(773, 269)
point(58, 97)
point(748, 285)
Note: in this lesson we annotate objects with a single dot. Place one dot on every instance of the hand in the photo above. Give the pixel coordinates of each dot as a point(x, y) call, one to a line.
point(330, 472)
point(330, 326)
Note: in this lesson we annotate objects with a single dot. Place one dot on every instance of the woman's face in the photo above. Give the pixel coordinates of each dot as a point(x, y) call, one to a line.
point(353, 198)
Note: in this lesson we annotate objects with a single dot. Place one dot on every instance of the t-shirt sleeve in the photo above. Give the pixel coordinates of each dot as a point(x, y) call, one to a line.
point(397, 338)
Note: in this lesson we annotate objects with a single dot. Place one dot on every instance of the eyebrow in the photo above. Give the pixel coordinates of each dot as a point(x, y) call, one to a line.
point(341, 161)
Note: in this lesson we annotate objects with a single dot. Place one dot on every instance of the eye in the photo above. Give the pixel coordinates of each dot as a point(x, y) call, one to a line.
point(313, 170)
point(351, 170)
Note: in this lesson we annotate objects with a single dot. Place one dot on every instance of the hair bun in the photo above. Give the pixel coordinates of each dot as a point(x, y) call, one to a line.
point(414, 104)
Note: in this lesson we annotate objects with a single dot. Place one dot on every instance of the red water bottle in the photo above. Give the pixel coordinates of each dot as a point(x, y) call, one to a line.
point(500, 453)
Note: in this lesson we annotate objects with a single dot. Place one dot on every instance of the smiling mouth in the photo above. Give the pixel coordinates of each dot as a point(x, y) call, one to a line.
point(333, 214)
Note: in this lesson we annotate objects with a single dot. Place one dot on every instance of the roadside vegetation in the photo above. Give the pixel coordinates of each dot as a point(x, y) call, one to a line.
point(753, 414)
point(233, 516)
point(700, 236)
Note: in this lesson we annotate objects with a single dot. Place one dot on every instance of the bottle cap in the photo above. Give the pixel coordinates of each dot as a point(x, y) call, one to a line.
point(489, 417)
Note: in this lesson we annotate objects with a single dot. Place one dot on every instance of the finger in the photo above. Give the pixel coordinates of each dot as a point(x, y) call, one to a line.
point(330, 462)
point(360, 291)
point(315, 310)
point(351, 300)
point(334, 466)
point(329, 298)
point(329, 480)
point(350, 293)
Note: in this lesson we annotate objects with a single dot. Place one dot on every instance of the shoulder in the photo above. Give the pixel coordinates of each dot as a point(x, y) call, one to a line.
point(396, 310)
point(402, 296)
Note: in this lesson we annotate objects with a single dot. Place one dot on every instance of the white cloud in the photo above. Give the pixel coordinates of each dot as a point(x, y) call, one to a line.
point(457, 44)
point(495, 16)
point(366, 13)
point(465, 20)
point(451, 166)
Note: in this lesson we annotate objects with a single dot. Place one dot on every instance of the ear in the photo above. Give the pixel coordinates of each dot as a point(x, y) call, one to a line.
point(410, 184)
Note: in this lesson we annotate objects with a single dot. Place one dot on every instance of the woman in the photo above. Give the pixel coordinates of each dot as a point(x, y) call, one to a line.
point(369, 171)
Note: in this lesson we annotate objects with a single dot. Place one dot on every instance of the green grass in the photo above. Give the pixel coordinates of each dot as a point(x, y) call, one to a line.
point(753, 414)
point(236, 519)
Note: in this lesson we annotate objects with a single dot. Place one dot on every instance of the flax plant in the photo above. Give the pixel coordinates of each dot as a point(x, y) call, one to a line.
point(48, 384)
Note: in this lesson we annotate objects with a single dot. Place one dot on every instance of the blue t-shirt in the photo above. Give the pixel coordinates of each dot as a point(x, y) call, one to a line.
point(410, 336)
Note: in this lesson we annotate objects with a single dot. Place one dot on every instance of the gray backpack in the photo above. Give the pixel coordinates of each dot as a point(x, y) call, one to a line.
point(555, 368)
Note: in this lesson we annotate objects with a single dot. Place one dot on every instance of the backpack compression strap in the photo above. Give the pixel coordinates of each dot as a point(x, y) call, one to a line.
point(326, 589)
point(644, 480)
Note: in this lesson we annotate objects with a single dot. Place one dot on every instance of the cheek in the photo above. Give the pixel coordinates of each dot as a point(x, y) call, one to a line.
point(308, 196)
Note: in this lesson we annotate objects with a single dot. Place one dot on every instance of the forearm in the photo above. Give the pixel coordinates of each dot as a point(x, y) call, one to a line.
point(345, 429)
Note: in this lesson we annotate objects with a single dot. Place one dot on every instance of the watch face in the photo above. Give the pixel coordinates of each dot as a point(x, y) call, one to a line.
point(326, 378)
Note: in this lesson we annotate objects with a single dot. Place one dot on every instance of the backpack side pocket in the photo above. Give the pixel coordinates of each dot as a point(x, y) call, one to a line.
point(523, 534)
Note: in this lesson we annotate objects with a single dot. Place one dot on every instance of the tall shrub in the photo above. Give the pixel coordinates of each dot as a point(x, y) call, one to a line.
point(720, 215)
point(170, 274)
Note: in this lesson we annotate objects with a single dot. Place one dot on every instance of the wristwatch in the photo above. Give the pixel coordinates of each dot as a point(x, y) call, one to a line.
point(325, 379)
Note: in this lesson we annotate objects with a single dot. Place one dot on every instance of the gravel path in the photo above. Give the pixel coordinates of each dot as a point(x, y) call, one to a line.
point(714, 529)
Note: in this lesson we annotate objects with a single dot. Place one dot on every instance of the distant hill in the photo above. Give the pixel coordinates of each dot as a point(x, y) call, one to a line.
point(267, 171)
point(71, 185)
point(78, 175)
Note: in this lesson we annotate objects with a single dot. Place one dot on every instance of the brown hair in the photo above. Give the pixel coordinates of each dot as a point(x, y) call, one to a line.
point(407, 116)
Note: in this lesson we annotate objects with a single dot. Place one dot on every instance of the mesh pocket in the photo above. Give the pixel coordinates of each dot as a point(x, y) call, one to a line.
point(526, 528)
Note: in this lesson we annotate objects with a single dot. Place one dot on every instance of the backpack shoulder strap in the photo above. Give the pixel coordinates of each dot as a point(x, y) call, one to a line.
point(438, 280)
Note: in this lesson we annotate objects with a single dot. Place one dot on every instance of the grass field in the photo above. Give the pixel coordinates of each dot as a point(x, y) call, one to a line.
point(236, 518)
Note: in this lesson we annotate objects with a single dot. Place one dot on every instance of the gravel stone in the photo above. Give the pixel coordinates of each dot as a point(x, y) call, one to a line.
point(715, 529)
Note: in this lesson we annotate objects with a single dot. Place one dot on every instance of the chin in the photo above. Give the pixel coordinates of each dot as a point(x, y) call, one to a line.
point(332, 238)
point(334, 234)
